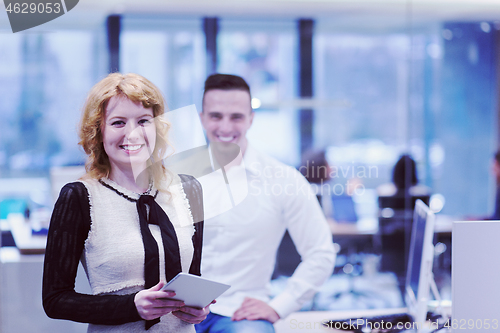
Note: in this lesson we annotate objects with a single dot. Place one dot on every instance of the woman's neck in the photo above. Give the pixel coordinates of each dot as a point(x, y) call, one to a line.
point(128, 181)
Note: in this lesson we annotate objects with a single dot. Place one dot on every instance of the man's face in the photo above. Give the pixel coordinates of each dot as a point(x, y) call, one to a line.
point(227, 115)
point(496, 169)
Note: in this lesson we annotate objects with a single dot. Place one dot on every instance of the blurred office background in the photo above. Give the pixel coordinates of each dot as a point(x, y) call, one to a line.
point(364, 81)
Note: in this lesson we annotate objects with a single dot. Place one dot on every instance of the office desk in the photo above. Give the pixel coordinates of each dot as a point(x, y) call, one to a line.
point(353, 238)
point(21, 295)
point(21, 232)
point(364, 237)
point(367, 226)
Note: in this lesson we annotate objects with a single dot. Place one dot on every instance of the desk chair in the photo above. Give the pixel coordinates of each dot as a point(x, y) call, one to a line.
point(7, 239)
point(394, 235)
point(352, 251)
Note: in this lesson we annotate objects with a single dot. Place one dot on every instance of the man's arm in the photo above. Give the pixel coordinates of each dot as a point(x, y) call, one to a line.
point(312, 237)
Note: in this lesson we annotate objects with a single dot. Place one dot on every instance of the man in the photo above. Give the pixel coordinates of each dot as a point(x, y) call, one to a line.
point(496, 172)
point(240, 245)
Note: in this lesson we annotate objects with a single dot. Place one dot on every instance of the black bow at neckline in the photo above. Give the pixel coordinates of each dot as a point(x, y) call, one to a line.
point(151, 213)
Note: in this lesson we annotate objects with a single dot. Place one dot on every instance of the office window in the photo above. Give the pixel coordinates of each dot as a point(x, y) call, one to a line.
point(361, 84)
point(383, 94)
point(467, 123)
point(46, 77)
point(168, 52)
point(171, 54)
point(265, 54)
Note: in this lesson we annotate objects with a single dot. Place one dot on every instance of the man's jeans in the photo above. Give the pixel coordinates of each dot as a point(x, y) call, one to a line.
point(221, 324)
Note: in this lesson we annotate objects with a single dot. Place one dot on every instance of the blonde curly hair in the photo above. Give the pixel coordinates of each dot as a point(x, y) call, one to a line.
point(137, 89)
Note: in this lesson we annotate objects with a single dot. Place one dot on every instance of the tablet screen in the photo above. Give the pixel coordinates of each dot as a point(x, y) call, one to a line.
point(195, 291)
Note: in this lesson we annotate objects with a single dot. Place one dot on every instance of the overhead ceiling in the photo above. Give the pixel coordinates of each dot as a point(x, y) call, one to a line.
point(436, 9)
point(347, 14)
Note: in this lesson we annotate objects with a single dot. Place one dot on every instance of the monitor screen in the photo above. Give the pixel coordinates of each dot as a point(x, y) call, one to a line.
point(344, 209)
point(419, 271)
point(416, 247)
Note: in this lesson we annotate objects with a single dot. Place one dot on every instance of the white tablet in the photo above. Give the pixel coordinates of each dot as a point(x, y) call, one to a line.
point(195, 291)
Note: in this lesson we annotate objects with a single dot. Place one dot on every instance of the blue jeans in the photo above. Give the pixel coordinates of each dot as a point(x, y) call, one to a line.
point(221, 324)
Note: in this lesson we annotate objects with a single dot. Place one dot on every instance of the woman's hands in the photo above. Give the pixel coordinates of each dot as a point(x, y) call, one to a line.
point(153, 303)
point(192, 315)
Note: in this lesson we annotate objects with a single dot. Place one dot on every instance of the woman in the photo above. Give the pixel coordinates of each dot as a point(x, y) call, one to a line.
point(129, 220)
point(316, 169)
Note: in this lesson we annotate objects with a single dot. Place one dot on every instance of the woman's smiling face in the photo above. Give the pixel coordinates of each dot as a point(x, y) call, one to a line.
point(128, 134)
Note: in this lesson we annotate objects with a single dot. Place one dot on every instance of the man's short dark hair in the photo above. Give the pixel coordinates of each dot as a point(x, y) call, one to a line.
point(497, 156)
point(225, 82)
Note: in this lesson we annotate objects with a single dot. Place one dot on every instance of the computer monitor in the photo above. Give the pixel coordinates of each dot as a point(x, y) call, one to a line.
point(344, 209)
point(419, 276)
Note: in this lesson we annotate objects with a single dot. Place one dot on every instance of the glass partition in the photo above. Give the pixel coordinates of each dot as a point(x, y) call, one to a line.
point(264, 52)
point(168, 51)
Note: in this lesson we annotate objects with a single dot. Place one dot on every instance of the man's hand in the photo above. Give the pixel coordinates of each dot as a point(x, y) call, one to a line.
point(254, 309)
point(153, 303)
